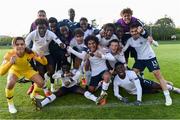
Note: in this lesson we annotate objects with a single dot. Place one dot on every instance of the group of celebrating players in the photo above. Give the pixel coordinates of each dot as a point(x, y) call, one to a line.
point(77, 52)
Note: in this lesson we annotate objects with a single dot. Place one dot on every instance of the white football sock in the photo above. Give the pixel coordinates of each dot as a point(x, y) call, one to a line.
point(105, 86)
point(90, 96)
point(48, 99)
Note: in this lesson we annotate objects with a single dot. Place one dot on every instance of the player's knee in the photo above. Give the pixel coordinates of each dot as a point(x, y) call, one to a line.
point(41, 84)
point(157, 74)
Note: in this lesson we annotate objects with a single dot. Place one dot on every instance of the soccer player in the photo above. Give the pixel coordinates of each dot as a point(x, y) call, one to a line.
point(135, 85)
point(53, 26)
point(96, 59)
point(78, 51)
point(108, 35)
point(16, 63)
point(69, 85)
point(115, 48)
point(146, 58)
point(41, 38)
point(40, 15)
point(85, 26)
point(125, 22)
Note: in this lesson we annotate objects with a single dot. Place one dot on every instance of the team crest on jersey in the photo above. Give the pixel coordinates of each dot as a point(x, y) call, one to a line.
point(141, 43)
point(47, 40)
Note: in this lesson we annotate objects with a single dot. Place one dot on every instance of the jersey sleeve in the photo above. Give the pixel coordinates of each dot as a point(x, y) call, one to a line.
point(108, 56)
point(6, 65)
point(136, 81)
point(78, 54)
point(42, 60)
point(55, 38)
point(116, 88)
point(127, 45)
point(29, 39)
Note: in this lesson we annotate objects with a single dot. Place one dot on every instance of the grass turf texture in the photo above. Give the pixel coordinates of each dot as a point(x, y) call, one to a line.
point(76, 106)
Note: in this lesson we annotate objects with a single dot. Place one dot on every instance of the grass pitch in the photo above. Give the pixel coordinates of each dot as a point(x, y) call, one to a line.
point(76, 106)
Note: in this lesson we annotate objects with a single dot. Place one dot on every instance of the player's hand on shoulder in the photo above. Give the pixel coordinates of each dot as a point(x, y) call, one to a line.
point(137, 103)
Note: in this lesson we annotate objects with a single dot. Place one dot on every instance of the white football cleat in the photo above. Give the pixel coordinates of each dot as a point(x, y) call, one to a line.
point(176, 90)
point(168, 100)
point(12, 108)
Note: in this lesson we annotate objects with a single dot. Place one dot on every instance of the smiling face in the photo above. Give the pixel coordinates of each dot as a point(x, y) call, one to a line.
point(42, 28)
point(109, 31)
point(84, 25)
point(120, 70)
point(92, 45)
point(114, 47)
point(64, 31)
point(127, 18)
point(19, 46)
point(52, 27)
point(41, 15)
point(134, 33)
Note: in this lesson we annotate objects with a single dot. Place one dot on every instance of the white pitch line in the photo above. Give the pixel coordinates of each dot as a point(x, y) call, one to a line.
point(108, 105)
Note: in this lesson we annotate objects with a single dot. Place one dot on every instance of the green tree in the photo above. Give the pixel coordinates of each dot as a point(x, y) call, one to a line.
point(164, 28)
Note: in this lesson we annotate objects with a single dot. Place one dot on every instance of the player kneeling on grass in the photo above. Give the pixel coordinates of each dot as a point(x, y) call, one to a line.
point(69, 85)
point(16, 63)
point(135, 85)
point(96, 60)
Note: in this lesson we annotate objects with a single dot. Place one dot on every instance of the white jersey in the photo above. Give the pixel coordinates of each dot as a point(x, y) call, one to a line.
point(88, 32)
point(142, 47)
point(119, 58)
point(130, 83)
point(41, 44)
point(99, 64)
point(105, 42)
point(80, 51)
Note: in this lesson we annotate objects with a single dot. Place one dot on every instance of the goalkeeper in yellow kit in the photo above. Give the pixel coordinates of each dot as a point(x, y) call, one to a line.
point(16, 63)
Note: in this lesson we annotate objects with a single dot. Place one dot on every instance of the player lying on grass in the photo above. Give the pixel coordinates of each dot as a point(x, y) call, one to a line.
point(70, 84)
point(16, 63)
point(135, 85)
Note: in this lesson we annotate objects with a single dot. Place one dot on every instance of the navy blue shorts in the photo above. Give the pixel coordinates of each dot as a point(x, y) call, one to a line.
point(96, 79)
point(147, 85)
point(152, 64)
point(64, 90)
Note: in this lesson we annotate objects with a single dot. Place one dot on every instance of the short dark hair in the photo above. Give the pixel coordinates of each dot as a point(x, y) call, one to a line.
point(126, 10)
point(114, 40)
point(109, 25)
point(52, 20)
point(118, 63)
point(134, 25)
point(41, 11)
point(91, 37)
point(41, 21)
point(15, 39)
point(78, 31)
point(83, 18)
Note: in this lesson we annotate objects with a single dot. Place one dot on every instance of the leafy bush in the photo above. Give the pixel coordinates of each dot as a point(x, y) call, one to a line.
point(5, 41)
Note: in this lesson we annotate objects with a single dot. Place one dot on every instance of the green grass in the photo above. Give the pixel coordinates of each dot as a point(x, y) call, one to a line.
point(76, 106)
